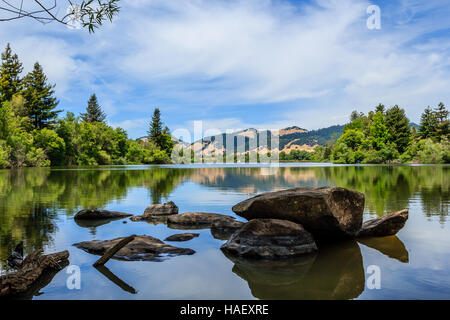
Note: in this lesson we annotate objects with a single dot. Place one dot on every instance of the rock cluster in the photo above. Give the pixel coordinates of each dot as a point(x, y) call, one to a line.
point(280, 224)
point(327, 211)
point(283, 223)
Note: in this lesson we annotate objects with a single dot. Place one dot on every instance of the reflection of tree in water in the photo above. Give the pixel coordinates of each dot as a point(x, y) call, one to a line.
point(31, 198)
point(35, 228)
point(162, 181)
point(435, 191)
point(387, 188)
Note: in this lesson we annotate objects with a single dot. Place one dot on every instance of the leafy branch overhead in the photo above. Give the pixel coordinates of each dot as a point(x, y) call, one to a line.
point(88, 14)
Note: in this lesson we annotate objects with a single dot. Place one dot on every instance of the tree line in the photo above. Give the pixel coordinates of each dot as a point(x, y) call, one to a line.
point(387, 136)
point(32, 134)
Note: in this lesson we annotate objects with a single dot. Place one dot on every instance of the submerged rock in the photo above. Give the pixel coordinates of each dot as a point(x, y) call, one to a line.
point(141, 248)
point(156, 212)
point(387, 225)
point(223, 230)
point(182, 237)
point(325, 212)
point(100, 214)
point(270, 238)
point(196, 220)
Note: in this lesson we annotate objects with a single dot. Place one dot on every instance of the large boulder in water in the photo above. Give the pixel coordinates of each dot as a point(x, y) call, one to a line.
point(269, 239)
point(325, 212)
point(387, 225)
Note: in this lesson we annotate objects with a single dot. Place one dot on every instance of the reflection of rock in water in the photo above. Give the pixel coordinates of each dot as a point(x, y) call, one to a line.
point(335, 272)
point(92, 224)
point(391, 246)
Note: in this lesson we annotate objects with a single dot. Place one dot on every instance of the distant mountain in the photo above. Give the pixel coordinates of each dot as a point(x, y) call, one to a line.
point(291, 138)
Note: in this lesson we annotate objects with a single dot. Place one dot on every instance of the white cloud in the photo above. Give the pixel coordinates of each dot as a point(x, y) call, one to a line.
point(209, 53)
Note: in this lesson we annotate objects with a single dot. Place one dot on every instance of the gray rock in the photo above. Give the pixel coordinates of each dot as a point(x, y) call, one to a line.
point(196, 220)
point(161, 209)
point(141, 248)
point(157, 212)
point(94, 214)
point(269, 239)
point(325, 212)
point(387, 225)
point(182, 237)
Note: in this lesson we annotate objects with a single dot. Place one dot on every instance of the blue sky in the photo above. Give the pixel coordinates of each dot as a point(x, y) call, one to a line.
point(245, 63)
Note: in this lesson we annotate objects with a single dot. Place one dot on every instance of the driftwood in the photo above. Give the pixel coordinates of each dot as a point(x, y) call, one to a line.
point(115, 279)
point(112, 251)
point(34, 267)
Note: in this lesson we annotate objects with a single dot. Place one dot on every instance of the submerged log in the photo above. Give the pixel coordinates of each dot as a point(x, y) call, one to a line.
point(112, 251)
point(33, 267)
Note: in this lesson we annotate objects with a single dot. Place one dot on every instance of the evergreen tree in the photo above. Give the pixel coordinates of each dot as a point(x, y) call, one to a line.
point(428, 123)
point(380, 108)
point(10, 70)
point(156, 125)
point(442, 125)
point(379, 133)
point(94, 112)
point(398, 127)
point(40, 102)
point(356, 115)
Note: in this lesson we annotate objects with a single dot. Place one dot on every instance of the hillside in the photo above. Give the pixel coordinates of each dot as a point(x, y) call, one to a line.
point(291, 138)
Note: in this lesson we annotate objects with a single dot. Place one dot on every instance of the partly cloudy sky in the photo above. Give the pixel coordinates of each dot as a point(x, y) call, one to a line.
point(245, 63)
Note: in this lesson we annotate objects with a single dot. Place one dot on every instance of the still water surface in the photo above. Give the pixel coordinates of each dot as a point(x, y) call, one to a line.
point(37, 206)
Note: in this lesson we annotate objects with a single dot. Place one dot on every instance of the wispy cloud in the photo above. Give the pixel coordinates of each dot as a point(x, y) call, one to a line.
point(310, 62)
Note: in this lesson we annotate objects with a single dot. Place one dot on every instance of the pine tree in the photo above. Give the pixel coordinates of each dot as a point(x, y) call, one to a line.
point(156, 125)
point(398, 127)
point(40, 102)
point(10, 70)
point(442, 126)
point(94, 112)
point(380, 108)
point(428, 123)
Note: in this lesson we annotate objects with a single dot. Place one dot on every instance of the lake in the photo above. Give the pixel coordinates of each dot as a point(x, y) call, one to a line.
point(37, 206)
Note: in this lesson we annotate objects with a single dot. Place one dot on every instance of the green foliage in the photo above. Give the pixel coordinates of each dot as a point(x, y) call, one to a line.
point(385, 136)
point(32, 135)
point(10, 82)
point(159, 135)
point(398, 127)
point(40, 102)
point(52, 144)
point(94, 112)
point(296, 155)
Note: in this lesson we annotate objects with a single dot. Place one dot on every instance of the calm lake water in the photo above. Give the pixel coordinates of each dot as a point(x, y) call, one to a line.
point(37, 206)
